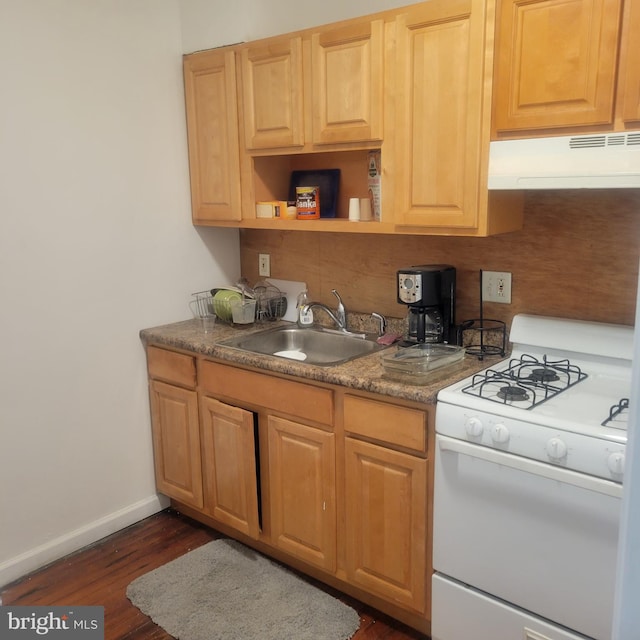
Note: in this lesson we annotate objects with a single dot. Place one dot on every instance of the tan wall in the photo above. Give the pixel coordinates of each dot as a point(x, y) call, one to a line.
point(576, 257)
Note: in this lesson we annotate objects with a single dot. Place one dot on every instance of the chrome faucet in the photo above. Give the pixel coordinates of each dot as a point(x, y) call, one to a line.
point(340, 315)
point(382, 323)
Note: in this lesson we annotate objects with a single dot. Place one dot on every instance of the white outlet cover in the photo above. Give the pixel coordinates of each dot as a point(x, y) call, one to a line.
point(496, 286)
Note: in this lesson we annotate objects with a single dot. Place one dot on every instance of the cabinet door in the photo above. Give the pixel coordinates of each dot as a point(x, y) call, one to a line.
point(176, 442)
point(212, 129)
point(386, 507)
point(556, 63)
point(302, 491)
point(231, 482)
point(629, 83)
point(272, 94)
point(437, 140)
point(347, 76)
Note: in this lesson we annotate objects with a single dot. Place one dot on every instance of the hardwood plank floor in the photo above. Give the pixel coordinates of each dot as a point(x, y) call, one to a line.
point(100, 574)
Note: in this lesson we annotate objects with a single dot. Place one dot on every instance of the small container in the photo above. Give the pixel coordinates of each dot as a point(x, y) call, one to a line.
point(374, 183)
point(243, 312)
point(417, 364)
point(365, 210)
point(354, 209)
point(271, 209)
point(305, 319)
point(291, 212)
point(307, 203)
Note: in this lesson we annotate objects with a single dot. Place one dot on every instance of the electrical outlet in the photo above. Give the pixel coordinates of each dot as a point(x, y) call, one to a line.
point(496, 286)
point(264, 265)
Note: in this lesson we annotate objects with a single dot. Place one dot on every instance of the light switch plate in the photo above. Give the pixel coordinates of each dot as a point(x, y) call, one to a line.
point(264, 265)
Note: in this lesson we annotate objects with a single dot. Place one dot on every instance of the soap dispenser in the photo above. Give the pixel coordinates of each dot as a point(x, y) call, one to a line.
point(305, 318)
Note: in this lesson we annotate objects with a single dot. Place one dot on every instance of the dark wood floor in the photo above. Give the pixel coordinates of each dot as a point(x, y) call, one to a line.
point(100, 574)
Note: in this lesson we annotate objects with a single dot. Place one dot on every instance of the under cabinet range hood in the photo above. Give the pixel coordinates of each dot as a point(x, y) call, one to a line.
point(596, 161)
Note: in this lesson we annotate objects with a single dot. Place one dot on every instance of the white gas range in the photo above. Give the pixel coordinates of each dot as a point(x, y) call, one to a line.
point(529, 466)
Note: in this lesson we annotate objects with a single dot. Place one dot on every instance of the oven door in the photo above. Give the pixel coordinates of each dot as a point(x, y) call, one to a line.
point(534, 535)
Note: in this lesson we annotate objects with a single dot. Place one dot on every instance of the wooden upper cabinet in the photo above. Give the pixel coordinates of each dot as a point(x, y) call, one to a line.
point(272, 94)
point(319, 88)
point(556, 63)
point(438, 134)
point(212, 130)
point(629, 82)
point(347, 78)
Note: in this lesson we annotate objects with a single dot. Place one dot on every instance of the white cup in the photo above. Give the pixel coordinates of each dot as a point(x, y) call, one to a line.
point(365, 209)
point(354, 209)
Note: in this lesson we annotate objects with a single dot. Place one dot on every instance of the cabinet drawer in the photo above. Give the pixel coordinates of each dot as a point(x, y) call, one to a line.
point(387, 422)
point(294, 398)
point(171, 367)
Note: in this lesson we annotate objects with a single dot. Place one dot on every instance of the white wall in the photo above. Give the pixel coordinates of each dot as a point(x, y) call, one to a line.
point(95, 244)
point(213, 23)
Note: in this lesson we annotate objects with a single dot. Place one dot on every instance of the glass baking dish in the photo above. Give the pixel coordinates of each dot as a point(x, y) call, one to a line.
point(416, 364)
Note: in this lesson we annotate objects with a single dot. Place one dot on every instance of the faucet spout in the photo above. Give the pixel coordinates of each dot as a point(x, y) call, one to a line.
point(339, 317)
point(341, 312)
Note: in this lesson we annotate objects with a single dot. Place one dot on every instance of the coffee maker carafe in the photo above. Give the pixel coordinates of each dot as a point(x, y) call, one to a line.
point(429, 292)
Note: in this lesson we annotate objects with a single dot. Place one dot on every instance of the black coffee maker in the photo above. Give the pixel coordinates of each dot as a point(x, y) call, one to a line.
point(429, 290)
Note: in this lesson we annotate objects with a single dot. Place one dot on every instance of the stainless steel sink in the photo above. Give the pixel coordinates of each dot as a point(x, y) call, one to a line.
point(322, 347)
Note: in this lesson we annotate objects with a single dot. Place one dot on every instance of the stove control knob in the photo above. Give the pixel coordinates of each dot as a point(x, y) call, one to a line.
point(474, 427)
point(556, 449)
point(499, 433)
point(616, 463)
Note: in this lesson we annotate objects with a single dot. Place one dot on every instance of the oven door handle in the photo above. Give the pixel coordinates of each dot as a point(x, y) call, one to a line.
point(567, 476)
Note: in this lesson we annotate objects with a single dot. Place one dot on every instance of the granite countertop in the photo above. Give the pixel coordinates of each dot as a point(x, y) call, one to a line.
point(365, 373)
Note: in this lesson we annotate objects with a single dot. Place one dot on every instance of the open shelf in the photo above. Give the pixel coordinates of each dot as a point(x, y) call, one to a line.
point(272, 174)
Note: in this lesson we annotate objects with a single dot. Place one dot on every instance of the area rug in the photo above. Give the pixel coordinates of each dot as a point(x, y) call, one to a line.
point(227, 591)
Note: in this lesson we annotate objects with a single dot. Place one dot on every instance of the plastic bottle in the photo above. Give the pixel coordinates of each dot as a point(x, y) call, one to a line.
point(305, 318)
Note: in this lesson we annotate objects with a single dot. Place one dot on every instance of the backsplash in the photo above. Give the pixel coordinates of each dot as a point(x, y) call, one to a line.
point(576, 257)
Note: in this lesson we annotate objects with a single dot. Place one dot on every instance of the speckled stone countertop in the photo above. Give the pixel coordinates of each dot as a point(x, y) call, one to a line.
point(365, 373)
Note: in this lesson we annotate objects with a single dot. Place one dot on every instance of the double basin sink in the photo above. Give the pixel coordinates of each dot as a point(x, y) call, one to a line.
point(323, 347)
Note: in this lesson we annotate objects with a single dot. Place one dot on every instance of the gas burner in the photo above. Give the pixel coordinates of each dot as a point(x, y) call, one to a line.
point(546, 371)
point(543, 374)
point(510, 393)
point(527, 381)
point(615, 411)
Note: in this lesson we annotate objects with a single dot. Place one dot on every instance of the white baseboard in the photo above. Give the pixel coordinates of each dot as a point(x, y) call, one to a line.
point(38, 557)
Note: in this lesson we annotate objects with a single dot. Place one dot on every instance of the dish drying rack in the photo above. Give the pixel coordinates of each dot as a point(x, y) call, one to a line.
point(271, 303)
point(201, 304)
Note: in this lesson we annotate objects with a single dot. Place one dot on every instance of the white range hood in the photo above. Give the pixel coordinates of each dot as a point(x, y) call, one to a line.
point(597, 161)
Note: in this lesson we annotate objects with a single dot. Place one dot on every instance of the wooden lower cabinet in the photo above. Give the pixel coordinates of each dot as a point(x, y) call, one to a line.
point(302, 476)
point(333, 482)
point(176, 442)
point(386, 522)
point(229, 454)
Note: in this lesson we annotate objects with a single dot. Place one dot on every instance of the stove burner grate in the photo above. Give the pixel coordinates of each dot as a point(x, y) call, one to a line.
point(615, 411)
point(525, 380)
